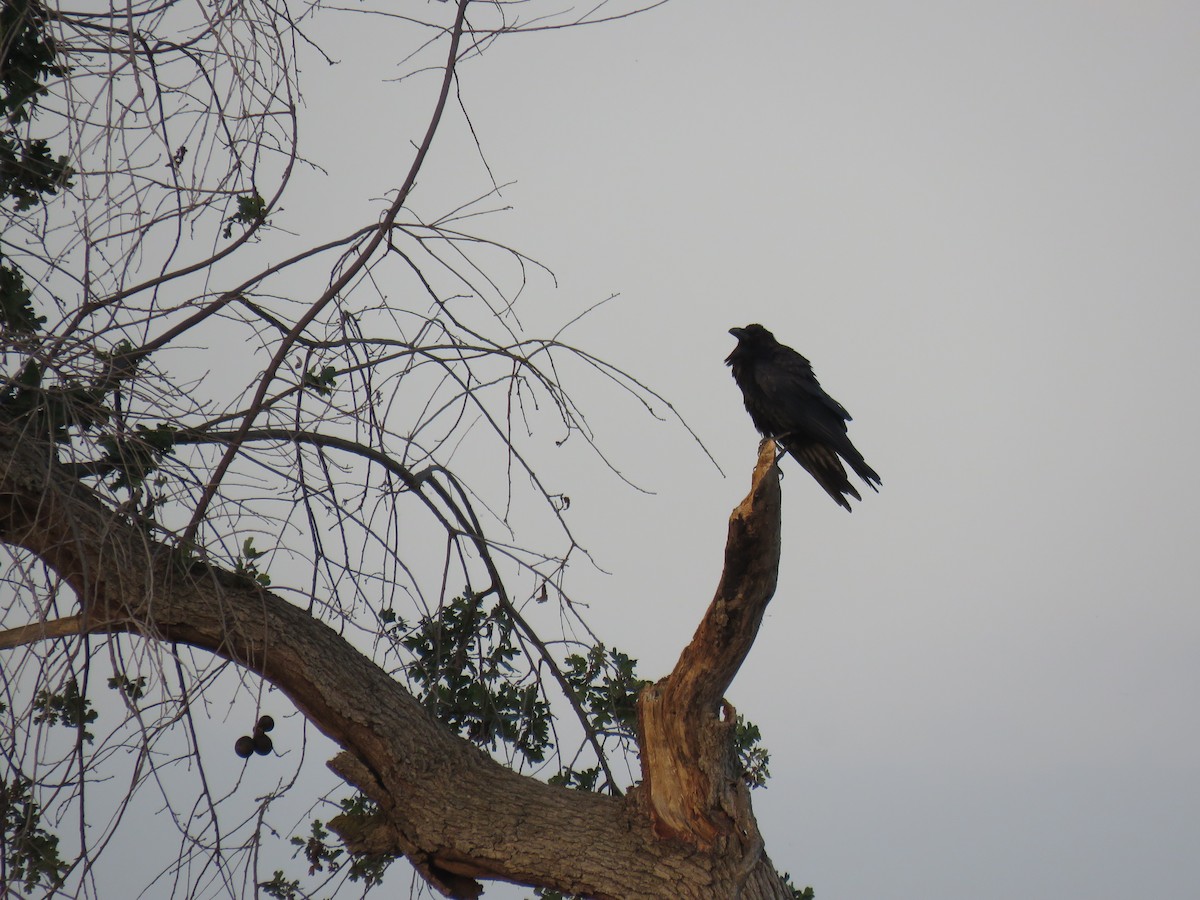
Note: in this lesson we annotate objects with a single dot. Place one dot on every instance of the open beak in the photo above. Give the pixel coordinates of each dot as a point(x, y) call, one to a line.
point(738, 333)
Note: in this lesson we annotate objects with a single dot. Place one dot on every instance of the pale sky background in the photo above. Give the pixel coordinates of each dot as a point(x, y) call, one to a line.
point(981, 222)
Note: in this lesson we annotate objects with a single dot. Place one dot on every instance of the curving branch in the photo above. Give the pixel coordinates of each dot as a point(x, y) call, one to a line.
point(347, 275)
point(455, 813)
point(347, 400)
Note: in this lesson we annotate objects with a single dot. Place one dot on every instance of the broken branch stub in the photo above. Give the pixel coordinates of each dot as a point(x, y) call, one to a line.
point(691, 775)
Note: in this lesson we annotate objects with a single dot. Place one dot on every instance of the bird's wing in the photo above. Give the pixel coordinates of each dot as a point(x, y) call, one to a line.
point(811, 424)
point(797, 399)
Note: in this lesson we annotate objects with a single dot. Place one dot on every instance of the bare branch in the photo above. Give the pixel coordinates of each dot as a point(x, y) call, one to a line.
point(687, 760)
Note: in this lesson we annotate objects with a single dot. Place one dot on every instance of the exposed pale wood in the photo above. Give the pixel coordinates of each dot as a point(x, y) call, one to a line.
point(688, 763)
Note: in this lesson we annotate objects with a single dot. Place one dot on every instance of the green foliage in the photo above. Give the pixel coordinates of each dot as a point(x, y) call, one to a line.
point(28, 171)
point(133, 690)
point(68, 708)
point(22, 396)
point(317, 850)
point(464, 671)
point(606, 688)
point(27, 60)
point(251, 212)
point(29, 852)
point(55, 410)
point(322, 382)
point(322, 856)
point(359, 805)
point(369, 868)
point(755, 758)
point(465, 677)
point(280, 888)
point(135, 456)
point(246, 567)
point(582, 780)
point(121, 361)
point(806, 894)
point(16, 302)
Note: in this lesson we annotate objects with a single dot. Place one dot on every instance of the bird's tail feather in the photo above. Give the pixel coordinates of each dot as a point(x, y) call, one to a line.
point(862, 470)
point(823, 464)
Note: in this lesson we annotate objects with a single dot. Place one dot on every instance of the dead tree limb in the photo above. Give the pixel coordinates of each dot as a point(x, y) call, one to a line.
point(696, 792)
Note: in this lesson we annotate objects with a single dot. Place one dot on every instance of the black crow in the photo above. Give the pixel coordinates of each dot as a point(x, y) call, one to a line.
point(786, 402)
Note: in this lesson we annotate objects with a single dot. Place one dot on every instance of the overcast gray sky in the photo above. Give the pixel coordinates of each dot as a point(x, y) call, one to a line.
point(981, 222)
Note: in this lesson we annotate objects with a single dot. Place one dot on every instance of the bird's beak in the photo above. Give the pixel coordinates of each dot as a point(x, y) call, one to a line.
point(738, 333)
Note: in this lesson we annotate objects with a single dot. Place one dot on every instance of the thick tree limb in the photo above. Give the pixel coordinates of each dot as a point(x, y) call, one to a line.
point(454, 806)
point(458, 815)
point(695, 790)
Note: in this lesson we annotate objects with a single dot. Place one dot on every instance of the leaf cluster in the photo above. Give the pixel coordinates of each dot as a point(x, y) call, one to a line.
point(246, 566)
point(54, 410)
point(16, 302)
point(322, 856)
point(799, 894)
point(321, 382)
point(66, 707)
point(464, 674)
point(134, 689)
point(28, 171)
point(251, 212)
point(755, 759)
point(280, 887)
point(603, 679)
point(135, 456)
point(28, 852)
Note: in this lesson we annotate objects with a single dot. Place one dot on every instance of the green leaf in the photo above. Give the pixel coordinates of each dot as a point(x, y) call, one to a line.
point(244, 564)
point(68, 708)
point(805, 894)
point(280, 888)
point(463, 673)
point(29, 172)
point(322, 382)
point(251, 211)
point(134, 690)
point(754, 758)
point(30, 853)
point(135, 456)
point(607, 687)
point(16, 302)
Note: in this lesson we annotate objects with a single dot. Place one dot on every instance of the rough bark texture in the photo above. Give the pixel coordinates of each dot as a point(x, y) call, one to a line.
point(455, 813)
point(691, 774)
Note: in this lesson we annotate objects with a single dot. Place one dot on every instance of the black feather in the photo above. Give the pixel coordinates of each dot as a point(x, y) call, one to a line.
point(787, 403)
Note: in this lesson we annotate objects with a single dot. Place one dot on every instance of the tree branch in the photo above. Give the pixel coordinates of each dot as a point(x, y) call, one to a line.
point(457, 814)
point(691, 773)
point(335, 288)
point(69, 626)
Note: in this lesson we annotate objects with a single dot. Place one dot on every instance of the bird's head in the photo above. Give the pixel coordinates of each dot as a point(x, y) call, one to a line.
point(750, 338)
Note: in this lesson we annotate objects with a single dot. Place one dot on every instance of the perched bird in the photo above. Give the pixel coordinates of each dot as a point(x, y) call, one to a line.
point(786, 402)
